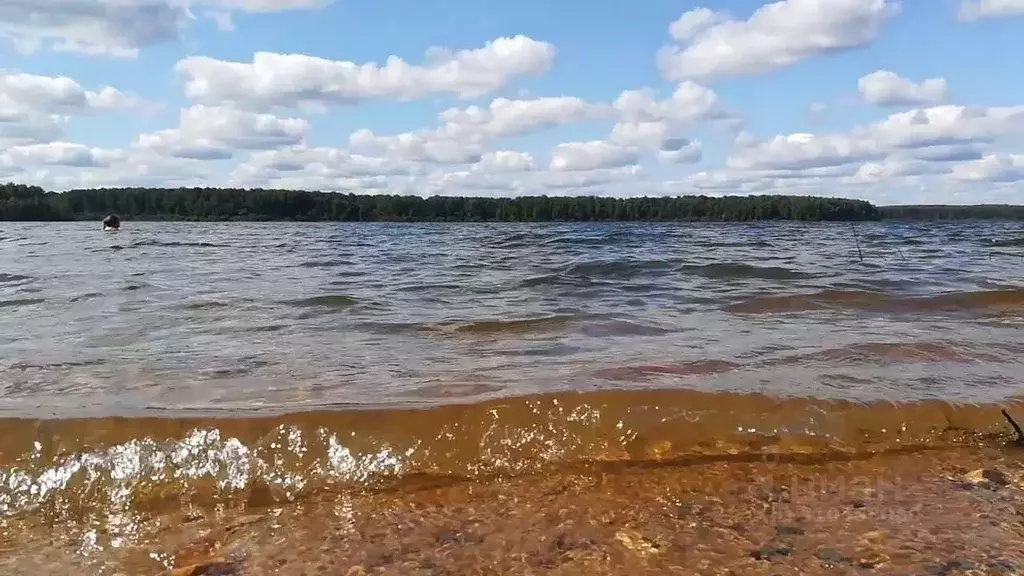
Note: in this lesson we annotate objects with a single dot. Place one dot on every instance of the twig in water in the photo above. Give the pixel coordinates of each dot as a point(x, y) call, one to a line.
point(1018, 433)
point(898, 249)
point(857, 240)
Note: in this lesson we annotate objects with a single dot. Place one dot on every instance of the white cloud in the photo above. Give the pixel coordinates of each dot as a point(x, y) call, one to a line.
point(646, 122)
point(465, 132)
point(116, 28)
point(30, 93)
point(640, 134)
point(59, 154)
point(694, 23)
point(108, 27)
point(36, 108)
point(690, 102)
point(503, 117)
point(212, 133)
point(592, 155)
point(268, 5)
point(991, 168)
point(427, 146)
point(507, 161)
point(981, 9)
point(939, 133)
point(776, 35)
point(886, 88)
point(295, 80)
point(680, 151)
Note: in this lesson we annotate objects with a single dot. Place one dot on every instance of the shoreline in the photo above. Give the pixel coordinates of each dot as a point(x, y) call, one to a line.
point(943, 511)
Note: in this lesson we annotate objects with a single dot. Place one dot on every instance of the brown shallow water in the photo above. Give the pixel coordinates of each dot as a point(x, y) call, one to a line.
point(610, 482)
point(517, 399)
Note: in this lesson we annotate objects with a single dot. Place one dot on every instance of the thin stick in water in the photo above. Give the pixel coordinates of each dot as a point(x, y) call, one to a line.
point(1018, 433)
point(857, 240)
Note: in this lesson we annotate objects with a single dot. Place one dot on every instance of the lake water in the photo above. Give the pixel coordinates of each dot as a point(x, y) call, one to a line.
point(215, 361)
point(196, 316)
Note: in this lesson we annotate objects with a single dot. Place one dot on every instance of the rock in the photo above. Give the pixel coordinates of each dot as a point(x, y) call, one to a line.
point(955, 566)
point(210, 568)
point(870, 559)
point(1001, 567)
point(356, 571)
point(638, 543)
point(832, 557)
point(987, 477)
point(856, 503)
point(771, 552)
point(789, 530)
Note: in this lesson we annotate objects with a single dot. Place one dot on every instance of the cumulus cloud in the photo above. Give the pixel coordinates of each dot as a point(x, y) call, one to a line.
point(465, 132)
point(886, 88)
point(59, 154)
point(945, 132)
point(680, 151)
point(592, 155)
point(991, 168)
point(507, 161)
point(212, 133)
point(503, 117)
point(23, 93)
point(295, 80)
point(982, 9)
point(116, 28)
point(36, 108)
point(778, 34)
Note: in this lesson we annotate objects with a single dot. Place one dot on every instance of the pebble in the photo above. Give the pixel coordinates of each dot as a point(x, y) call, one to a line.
point(832, 557)
point(637, 543)
point(987, 477)
point(771, 552)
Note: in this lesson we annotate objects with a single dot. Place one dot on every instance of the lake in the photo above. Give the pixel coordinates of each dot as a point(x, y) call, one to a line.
point(254, 364)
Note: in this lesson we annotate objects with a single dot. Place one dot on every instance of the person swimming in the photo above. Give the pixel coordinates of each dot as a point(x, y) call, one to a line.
point(111, 222)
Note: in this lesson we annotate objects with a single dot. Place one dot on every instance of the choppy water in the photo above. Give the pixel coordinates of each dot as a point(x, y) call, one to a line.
point(236, 315)
point(170, 368)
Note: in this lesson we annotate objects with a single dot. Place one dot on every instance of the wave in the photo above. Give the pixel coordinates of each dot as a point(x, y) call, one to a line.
point(79, 466)
point(325, 263)
point(324, 301)
point(175, 244)
point(497, 327)
point(1004, 242)
point(737, 270)
point(984, 301)
point(13, 278)
point(18, 302)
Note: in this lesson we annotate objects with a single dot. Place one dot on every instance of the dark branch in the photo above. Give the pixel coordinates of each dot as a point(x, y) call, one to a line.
point(1018, 433)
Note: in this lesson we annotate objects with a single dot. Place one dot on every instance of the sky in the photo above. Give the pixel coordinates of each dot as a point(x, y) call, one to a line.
point(895, 102)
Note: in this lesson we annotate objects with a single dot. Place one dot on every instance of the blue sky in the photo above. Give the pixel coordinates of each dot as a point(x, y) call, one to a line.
point(891, 101)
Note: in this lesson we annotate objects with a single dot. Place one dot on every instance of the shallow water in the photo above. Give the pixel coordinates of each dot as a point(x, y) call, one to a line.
point(218, 370)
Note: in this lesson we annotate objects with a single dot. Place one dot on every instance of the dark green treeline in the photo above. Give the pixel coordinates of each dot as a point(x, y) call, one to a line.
point(20, 202)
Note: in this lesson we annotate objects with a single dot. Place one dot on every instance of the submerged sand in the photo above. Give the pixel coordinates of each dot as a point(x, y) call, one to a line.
point(952, 510)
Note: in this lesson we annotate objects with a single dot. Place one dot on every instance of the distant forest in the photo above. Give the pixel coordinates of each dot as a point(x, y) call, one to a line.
point(31, 203)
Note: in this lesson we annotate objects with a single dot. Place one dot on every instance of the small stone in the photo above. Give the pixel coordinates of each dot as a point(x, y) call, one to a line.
point(211, 568)
point(951, 567)
point(989, 477)
point(356, 571)
point(1001, 566)
point(789, 530)
point(832, 557)
point(637, 542)
point(871, 559)
point(856, 503)
point(770, 552)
